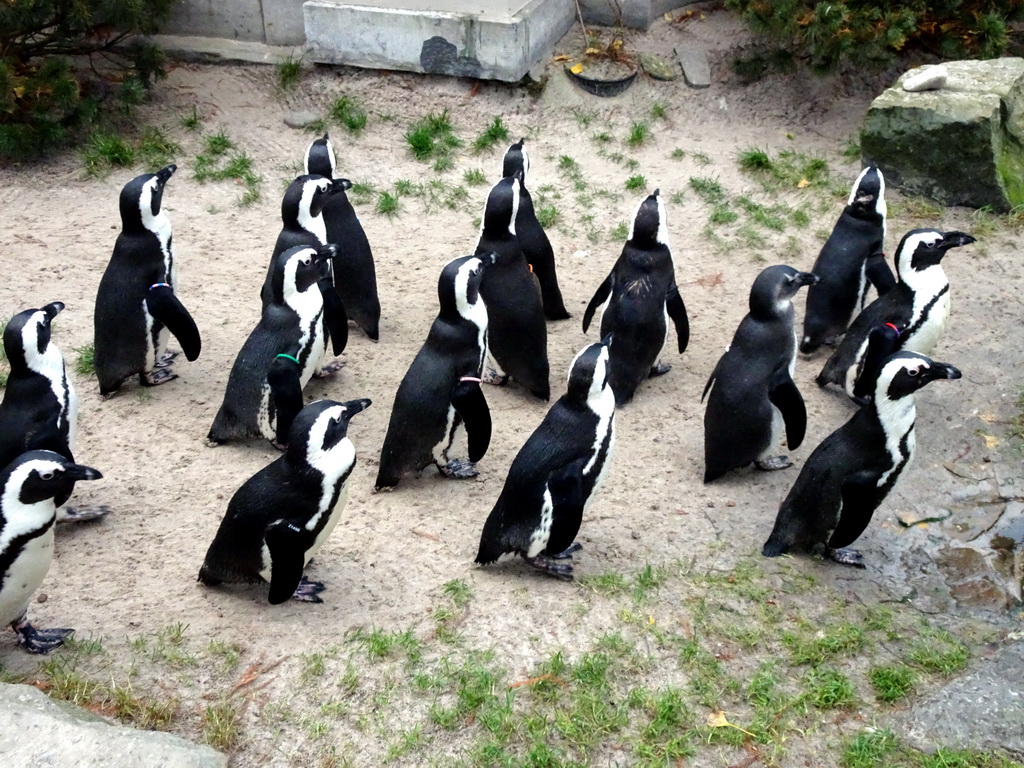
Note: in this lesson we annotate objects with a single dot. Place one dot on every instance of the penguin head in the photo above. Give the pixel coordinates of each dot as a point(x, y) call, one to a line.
point(867, 197)
point(42, 475)
point(304, 200)
point(297, 269)
point(141, 198)
point(320, 157)
point(27, 337)
point(502, 207)
point(588, 374)
point(516, 159)
point(650, 225)
point(320, 428)
point(774, 289)
point(903, 373)
point(458, 288)
point(923, 248)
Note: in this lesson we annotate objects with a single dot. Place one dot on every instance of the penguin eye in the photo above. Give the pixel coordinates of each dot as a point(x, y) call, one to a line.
point(46, 475)
point(306, 261)
point(913, 371)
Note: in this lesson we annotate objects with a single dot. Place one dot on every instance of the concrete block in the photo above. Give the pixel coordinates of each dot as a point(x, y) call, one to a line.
point(236, 20)
point(694, 62)
point(637, 14)
point(283, 23)
point(500, 41)
point(218, 50)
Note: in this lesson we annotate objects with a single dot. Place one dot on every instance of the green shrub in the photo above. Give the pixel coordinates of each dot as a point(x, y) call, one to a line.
point(50, 88)
point(828, 33)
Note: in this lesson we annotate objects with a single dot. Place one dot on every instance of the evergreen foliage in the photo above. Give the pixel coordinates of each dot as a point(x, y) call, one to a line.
point(830, 32)
point(62, 62)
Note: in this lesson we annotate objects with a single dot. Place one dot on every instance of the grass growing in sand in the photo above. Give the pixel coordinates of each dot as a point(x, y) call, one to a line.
point(494, 133)
point(221, 160)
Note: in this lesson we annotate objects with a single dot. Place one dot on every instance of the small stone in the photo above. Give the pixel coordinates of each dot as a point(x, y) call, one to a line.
point(657, 67)
point(730, 503)
point(42, 597)
point(635, 535)
point(694, 62)
point(928, 79)
point(300, 118)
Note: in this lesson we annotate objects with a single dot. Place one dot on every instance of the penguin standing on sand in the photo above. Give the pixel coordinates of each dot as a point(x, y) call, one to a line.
point(849, 475)
point(557, 473)
point(752, 393)
point(638, 298)
point(441, 390)
point(851, 260)
point(517, 334)
point(28, 486)
point(532, 238)
point(264, 389)
point(918, 306)
point(355, 275)
point(136, 306)
point(39, 410)
point(278, 520)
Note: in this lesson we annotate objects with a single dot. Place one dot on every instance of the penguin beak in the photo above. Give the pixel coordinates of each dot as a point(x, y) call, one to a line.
point(942, 371)
point(955, 239)
point(340, 185)
point(53, 309)
point(165, 173)
point(607, 340)
point(78, 472)
point(352, 407)
point(806, 278)
point(864, 198)
point(325, 252)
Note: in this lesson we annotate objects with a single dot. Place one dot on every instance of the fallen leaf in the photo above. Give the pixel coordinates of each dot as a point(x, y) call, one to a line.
point(802, 183)
point(989, 418)
point(991, 441)
point(592, 51)
point(576, 68)
point(717, 719)
point(560, 57)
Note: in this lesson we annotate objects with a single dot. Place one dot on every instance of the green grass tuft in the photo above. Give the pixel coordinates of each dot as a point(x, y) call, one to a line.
point(868, 749)
point(707, 189)
point(755, 160)
point(105, 151)
point(638, 182)
point(474, 177)
point(892, 682)
point(191, 121)
point(639, 132)
point(828, 688)
point(347, 112)
point(387, 203)
point(549, 215)
point(491, 135)
point(85, 363)
point(289, 73)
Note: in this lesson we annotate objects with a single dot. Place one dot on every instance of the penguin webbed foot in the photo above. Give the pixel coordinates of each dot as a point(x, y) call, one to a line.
point(328, 370)
point(308, 591)
point(156, 377)
point(659, 369)
point(862, 400)
point(846, 556)
point(773, 463)
point(458, 469)
point(82, 514)
point(568, 552)
point(491, 376)
point(166, 359)
point(39, 640)
point(553, 566)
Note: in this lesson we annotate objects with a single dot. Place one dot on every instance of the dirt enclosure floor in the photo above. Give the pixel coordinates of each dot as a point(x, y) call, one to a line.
point(305, 684)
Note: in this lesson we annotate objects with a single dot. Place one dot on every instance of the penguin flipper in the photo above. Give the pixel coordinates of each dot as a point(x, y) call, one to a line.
point(785, 396)
point(677, 312)
point(469, 402)
point(286, 392)
point(287, 545)
point(882, 342)
point(567, 501)
point(879, 274)
point(600, 297)
point(861, 497)
point(335, 317)
point(168, 309)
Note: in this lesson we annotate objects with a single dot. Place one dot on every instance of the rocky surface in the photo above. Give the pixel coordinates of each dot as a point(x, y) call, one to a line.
point(36, 730)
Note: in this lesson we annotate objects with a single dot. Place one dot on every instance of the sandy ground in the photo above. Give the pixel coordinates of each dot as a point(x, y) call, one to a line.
point(134, 573)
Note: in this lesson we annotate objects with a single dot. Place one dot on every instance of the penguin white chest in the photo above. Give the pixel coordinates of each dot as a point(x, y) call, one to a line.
point(933, 324)
point(24, 576)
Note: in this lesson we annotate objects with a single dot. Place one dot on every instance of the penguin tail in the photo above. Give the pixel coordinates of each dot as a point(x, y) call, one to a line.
point(207, 577)
point(774, 547)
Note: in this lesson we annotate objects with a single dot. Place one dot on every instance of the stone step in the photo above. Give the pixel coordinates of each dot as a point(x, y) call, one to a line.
point(497, 40)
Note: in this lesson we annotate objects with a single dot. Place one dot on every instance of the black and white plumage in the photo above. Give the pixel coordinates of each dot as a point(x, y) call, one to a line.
point(850, 262)
point(557, 473)
point(918, 306)
point(137, 309)
point(28, 487)
point(440, 394)
point(264, 388)
point(355, 275)
point(518, 336)
point(638, 299)
point(851, 472)
point(532, 237)
point(281, 516)
point(752, 393)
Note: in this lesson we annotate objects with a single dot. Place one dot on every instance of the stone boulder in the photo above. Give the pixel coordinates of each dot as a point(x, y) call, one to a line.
point(39, 731)
point(962, 144)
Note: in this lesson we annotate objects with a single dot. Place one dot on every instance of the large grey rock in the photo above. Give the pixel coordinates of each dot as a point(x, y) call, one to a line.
point(960, 145)
point(983, 710)
point(37, 731)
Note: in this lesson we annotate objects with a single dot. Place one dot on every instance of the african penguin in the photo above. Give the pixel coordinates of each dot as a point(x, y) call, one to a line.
point(39, 410)
point(28, 487)
point(752, 393)
point(557, 473)
point(355, 275)
point(851, 472)
point(918, 306)
point(532, 238)
point(441, 390)
point(517, 333)
point(136, 305)
point(281, 516)
point(851, 260)
point(637, 299)
point(264, 389)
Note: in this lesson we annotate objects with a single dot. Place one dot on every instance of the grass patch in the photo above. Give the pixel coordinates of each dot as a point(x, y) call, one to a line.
point(639, 133)
point(474, 177)
point(495, 132)
point(678, 153)
point(85, 361)
point(636, 183)
point(938, 651)
point(892, 682)
point(105, 151)
point(156, 150)
point(787, 169)
point(222, 161)
point(868, 749)
point(191, 121)
point(387, 204)
point(549, 215)
point(433, 138)
point(708, 189)
point(347, 112)
point(289, 73)
point(828, 688)
point(221, 725)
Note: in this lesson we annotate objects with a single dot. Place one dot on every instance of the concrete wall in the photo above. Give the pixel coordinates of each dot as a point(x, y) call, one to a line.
point(637, 14)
